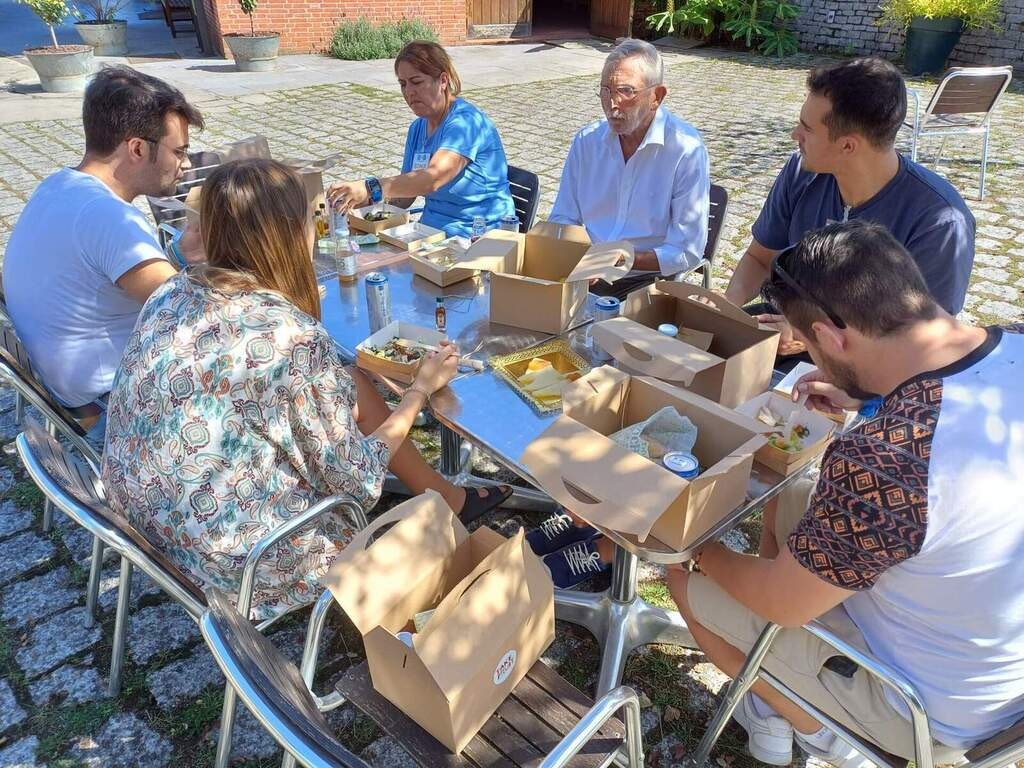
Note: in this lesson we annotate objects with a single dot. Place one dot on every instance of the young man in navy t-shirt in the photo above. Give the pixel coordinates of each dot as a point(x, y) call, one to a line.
point(847, 168)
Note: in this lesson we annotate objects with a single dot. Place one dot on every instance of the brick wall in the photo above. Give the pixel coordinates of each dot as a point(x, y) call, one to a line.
point(848, 26)
point(306, 26)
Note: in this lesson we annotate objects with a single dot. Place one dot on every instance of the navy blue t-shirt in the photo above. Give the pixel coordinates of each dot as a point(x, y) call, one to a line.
point(921, 209)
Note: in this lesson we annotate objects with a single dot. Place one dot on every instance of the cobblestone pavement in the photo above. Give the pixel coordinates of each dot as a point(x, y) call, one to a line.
point(53, 707)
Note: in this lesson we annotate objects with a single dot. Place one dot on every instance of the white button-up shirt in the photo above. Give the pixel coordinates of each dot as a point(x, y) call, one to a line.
point(658, 200)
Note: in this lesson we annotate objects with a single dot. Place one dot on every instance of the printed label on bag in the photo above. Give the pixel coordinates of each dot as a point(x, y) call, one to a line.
point(505, 667)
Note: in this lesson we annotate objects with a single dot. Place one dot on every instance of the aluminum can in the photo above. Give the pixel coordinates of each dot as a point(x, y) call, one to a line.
point(378, 300)
point(681, 463)
point(605, 308)
point(510, 222)
point(479, 227)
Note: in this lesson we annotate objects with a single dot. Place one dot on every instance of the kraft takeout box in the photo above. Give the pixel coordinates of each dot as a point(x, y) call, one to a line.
point(787, 462)
point(539, 281)
point(424, 263)
point(494, 614)
point(737, 365)
point(357, 218)
point(576, 463)
point(402, 372)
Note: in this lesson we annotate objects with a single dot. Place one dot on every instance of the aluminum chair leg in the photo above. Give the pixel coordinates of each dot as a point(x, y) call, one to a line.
point(51, 429)
point(984, 162)
point(227, 725)
point(124, 592)
point(19, 409)
point(737, 689)
point(92, 590)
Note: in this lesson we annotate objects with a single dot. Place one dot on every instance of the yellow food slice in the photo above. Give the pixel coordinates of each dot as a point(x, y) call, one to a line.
point(538, 364)
point(554, 390)
point(546, 378)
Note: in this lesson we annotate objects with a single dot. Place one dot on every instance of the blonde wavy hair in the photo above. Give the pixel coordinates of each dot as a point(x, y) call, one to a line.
point(255, 225)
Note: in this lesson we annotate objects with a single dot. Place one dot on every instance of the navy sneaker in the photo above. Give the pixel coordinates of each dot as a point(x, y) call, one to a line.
point(574, 564)
point(556, 532)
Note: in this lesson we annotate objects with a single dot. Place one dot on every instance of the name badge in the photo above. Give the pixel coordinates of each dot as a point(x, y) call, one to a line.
point(420, 161)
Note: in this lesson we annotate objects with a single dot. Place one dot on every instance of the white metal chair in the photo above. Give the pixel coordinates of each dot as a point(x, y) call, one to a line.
point(1000, 750)
point(962, 105)
point(79, 493)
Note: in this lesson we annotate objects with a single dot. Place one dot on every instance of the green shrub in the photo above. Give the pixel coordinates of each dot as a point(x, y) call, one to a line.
point(975, 13)
point(360, 40)
point(51, 13)
point(760, 23)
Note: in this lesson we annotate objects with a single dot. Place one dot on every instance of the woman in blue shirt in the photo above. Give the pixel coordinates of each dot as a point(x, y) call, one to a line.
point(453, 154)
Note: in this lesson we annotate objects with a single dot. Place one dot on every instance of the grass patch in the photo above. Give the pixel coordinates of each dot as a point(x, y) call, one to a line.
point(26, 495)
point(57, 727)
point(657, 594)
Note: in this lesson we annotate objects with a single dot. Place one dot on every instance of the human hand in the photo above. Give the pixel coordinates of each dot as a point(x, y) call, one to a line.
point(822, 395)
point(347, 195)
point(787, 344)
point(437, 368)
point(191, 245)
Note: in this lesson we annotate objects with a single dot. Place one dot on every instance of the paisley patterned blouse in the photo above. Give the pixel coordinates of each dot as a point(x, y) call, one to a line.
point(229, 415)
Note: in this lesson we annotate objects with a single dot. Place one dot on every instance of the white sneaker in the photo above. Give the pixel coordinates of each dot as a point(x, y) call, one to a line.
point(770, 739)
point(840, 754)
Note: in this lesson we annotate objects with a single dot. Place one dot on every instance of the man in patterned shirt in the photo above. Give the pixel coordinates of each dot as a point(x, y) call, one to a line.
point(910, 545)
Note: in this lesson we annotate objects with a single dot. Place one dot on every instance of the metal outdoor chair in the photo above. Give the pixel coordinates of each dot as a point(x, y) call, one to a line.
point(16, 368)
point(1001, 750)
point(962, 104)
point(718, 207)
point(178, 11)
point(170, 210)
point(525, 188)
point(545, 722)
point(79, 493)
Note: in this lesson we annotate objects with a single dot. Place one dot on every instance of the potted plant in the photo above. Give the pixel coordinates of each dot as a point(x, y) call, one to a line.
point(61, 68)
point(108, 36)
point(934, 27)
point(253, 52)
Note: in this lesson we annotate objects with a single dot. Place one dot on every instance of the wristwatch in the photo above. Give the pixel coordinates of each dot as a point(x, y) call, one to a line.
point(374, 190)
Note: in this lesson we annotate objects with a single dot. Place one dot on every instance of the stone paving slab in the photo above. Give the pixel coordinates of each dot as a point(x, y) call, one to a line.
point(124, 742)
point(182, 681)
point(22, 553)
point(10, 713)
point(33, 600)
point(55, 641)
point(70, 684)
point(159, 629)
point(21, 754)
point(14, 520)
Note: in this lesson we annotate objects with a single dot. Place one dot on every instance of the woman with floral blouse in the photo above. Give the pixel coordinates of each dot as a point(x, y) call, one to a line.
point(232, 411)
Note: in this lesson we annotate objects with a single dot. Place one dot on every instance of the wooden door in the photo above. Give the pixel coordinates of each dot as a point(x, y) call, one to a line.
point(499, 18)
point(611, 18)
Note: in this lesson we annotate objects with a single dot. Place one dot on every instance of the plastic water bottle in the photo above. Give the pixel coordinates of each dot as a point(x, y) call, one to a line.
point(479, 227)
point(345, 251)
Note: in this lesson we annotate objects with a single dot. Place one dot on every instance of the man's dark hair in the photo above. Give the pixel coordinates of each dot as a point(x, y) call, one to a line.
point(868, 97)
point(121, 103)
point(859, 272)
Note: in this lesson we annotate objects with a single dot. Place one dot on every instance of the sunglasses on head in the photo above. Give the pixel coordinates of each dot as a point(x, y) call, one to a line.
point(779, 272)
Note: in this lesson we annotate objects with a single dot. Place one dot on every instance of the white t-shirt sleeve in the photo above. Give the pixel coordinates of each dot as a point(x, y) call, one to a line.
point(115, 237)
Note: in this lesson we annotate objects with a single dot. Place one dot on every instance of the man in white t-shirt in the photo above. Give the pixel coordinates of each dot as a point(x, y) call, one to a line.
point(641, 174)
point(82, 259)
point(910, 544)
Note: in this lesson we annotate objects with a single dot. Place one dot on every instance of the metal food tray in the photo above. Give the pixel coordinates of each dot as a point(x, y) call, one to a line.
point(510, 367)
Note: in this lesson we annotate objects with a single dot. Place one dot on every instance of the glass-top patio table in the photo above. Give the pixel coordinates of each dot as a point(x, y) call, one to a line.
point(483, 409)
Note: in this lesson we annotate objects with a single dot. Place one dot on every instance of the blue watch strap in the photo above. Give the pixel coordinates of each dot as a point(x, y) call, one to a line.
point(374, 188)
point(870, 407)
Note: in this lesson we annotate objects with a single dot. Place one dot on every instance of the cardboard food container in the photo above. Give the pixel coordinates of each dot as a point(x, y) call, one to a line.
point(737, 365)
point(788, 462)
point(494, 614)
point(411, 236)
point(539, 280)
point(785, 388)
point(576, 463)
point(424, 263)
point(357, 218)
point(402, 372)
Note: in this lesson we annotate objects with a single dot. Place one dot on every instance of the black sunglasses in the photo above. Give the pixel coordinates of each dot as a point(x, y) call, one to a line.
point(778, 271)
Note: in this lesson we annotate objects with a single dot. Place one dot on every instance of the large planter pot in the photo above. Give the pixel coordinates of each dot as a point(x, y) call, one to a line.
point(929, 43)
point(108, 38)
point(63, 69)
point(255, 54)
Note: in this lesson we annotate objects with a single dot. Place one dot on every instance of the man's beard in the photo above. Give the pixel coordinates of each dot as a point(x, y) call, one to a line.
point(844, 377)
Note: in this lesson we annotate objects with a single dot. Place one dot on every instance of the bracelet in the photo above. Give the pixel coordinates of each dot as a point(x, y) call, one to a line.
point(417, 390)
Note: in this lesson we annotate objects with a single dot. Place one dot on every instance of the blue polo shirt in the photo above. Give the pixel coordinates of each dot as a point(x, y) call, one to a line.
point(481, 188)
point(921, 209)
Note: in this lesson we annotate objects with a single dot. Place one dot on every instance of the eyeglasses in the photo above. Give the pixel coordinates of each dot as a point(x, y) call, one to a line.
point(780, 272)
point(623, 92)
point(181, 152)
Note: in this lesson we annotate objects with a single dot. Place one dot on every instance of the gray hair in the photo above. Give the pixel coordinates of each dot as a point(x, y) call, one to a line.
point(650, 59)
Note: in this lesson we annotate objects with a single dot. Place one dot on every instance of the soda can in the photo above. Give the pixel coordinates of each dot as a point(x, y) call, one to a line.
point(605, 308)
point(681, 463)
point(479, 227)
point(378, 300)
point(405, 637)
point(510, 222)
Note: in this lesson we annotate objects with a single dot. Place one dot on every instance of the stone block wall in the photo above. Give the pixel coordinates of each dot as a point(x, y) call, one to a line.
point(306, 26)
point(848, 26)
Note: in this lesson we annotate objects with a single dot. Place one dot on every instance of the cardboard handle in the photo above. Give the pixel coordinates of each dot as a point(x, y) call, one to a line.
point(578, 493)
point(635, 352)
point(716, 301)
point(476, 580)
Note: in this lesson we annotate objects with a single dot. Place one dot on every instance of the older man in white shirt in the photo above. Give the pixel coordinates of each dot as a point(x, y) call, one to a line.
point(639, 175)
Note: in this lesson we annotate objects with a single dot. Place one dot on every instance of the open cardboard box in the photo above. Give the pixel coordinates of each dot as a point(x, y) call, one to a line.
point(539, 281)
point(403, 372)
point(357, 218)
point(494, 613)
point(785, 388)
point(411, 236)
point(787, 462)
point(424, 262)
point(576, 463)
point(737, 365)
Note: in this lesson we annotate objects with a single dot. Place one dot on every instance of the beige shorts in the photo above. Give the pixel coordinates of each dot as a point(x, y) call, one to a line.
point(797, 657)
